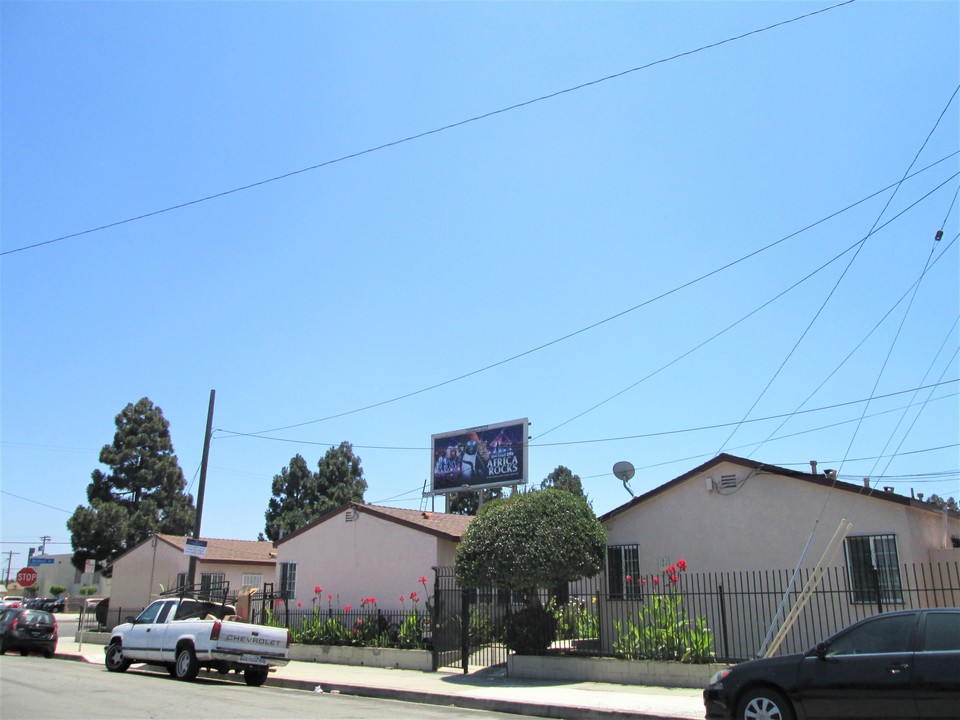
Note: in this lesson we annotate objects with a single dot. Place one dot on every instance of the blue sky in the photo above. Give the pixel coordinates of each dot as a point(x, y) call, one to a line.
point(607, 256)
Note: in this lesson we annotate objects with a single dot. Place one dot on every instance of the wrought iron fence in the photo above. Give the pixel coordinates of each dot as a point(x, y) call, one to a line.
point(739, 611)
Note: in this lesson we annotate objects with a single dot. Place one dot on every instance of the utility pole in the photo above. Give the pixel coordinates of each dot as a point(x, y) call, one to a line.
point(44, 539)
point(192, 570)
point(9, 554)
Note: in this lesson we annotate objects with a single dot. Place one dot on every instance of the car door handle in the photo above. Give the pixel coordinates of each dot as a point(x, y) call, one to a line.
point(897, 668)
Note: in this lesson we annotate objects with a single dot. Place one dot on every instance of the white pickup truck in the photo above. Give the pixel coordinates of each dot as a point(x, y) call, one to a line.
point(184, 634)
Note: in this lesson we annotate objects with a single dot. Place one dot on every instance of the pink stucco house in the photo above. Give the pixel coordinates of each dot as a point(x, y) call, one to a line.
point(360, 551)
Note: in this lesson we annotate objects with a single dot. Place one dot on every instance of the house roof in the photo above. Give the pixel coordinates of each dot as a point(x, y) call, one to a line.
point(813, 478)
point(442, 525)
point(220, 550)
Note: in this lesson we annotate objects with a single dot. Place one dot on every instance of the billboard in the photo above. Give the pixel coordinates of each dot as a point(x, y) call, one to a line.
point(480, 457)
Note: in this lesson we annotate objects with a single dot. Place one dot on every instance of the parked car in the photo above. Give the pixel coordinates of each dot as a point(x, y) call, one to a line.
point(900, 665)
point(11, 601)
point(34, 603)
point(25, 630)
point(54, 605)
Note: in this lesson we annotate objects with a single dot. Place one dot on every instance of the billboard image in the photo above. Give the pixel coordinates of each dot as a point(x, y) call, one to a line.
point(480, 457)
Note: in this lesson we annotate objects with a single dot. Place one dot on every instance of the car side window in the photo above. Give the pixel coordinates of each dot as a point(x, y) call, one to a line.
point(881, 635)
point(149, 615)
point(162, 617)
point(941, 632)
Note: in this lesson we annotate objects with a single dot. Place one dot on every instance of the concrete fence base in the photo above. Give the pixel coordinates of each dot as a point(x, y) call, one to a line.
point(364, 656)
point(611, 670)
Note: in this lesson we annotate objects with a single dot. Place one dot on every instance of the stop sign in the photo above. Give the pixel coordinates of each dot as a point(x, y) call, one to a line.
point(27, 577)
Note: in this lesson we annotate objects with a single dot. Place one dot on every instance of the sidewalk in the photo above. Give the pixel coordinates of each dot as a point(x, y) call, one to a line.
point(483, 690)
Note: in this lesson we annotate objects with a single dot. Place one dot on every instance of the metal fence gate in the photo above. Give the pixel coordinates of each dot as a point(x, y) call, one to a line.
point(468, 625)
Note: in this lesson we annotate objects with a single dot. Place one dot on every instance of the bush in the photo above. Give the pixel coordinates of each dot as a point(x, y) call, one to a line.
point(57, 590)
point(530, 631)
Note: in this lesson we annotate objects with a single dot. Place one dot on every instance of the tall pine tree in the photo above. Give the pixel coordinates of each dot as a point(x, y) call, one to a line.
point(301, 496)
point(141, 494)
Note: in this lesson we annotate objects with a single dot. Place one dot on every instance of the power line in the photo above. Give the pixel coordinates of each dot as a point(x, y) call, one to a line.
point(604, 321)
point(607, 439)
point(836, 285)
point(427, 133)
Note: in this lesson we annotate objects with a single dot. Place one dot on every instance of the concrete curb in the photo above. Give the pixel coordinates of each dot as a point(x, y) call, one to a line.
point(564, 712)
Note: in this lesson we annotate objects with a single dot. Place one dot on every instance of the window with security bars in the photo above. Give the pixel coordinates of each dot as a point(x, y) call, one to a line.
point(288, 580)
point(874, 569)
point(623, 572)
point(254, 580)
point(212, 585)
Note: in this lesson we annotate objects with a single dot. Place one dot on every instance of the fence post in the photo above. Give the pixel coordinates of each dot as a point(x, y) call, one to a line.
point(464, 630)
point(876, 586)
point(723, 622)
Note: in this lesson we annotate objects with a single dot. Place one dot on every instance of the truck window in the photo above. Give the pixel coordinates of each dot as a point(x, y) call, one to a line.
point(149, 615)
point(162, 617)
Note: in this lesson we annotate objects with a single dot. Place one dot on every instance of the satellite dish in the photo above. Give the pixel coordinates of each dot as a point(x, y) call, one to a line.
point(624, 470)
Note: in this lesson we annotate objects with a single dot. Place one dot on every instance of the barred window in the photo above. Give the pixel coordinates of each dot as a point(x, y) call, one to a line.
point(254, 580)
point(212, 585)
point(623, 561)
point(288, 580)
point(873, 567)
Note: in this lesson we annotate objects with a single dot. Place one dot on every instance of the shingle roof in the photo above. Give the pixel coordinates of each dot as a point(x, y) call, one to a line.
point(230, 551)
point(443, 525)
point(809, 477)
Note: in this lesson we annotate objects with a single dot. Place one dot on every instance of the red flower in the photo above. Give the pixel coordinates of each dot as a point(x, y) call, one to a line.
point(329, 596)
point(299, 604)
point(629, 579)
point(422, 580)
point(413, 596)
point(642, 581)
point(373, 601)
point(277, 601)
point(317, 590)
point(402, 598)
point(682, 564)
point(656, 581)
point(674, 578)
point(347, 609)
point(671, 569)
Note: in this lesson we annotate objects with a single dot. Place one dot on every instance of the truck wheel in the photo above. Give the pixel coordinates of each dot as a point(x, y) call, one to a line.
point(255, 677)
point(187, 666)
point(114, 658)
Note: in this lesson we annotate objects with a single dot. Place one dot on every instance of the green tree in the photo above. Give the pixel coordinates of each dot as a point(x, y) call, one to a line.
point(301, 496)
point(467, 503)
point(563, 479)
point(142, 493)
point(526, 543)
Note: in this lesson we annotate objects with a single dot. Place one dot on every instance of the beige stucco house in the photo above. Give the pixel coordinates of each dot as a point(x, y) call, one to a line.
point(160, 563)
point(732, 513)
point(743, 527)
point(361, 551)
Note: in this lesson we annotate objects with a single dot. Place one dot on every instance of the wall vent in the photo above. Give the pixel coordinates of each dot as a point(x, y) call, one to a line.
point(728, 482)
point(351, 515)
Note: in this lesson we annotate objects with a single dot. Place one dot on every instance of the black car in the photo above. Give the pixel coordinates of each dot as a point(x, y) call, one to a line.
point(896, 665)
point(54, 604)
point(25, 630)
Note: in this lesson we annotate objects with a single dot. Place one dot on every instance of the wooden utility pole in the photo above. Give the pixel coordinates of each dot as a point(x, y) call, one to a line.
point(192, 571)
